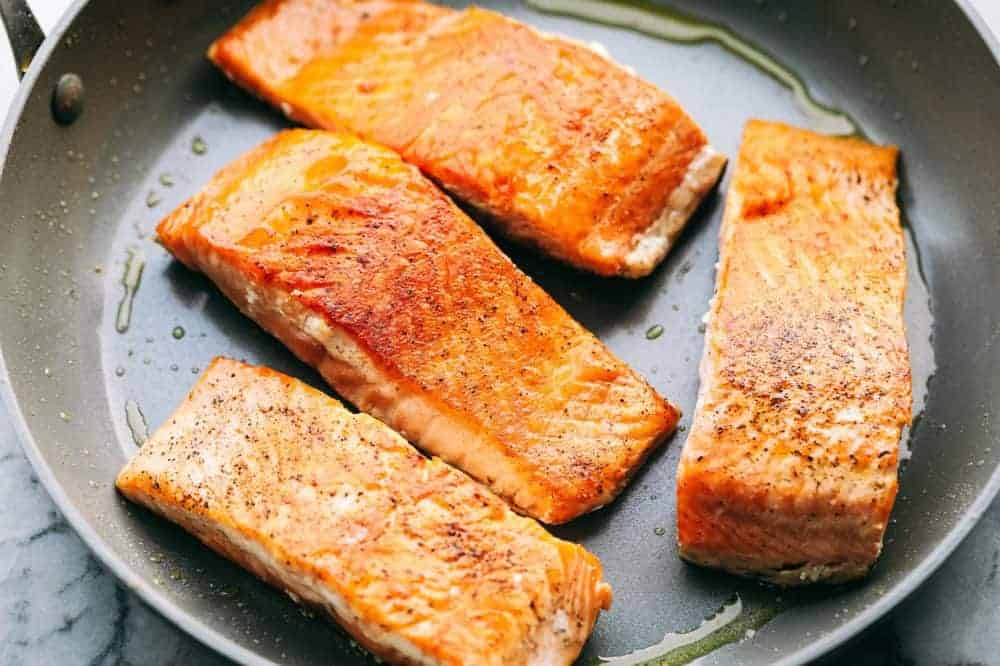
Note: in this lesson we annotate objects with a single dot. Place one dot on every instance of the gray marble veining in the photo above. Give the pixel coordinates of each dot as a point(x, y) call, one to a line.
point(57, 603)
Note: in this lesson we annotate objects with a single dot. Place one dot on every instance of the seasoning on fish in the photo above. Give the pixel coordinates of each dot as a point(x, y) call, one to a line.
point(418, 562)
point(562, 148)
point(367, 272)
point(789, 472)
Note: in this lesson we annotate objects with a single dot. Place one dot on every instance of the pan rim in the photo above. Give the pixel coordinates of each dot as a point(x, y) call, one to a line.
point(185, 620)
point(197, 629)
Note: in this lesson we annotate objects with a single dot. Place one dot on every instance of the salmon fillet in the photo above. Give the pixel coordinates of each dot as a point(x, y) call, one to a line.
point(369, 273)
point(418, 562)
point(561, 148)
point(789, 472)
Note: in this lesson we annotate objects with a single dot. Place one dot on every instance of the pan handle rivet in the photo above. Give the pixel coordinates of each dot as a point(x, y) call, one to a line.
point(67, 99)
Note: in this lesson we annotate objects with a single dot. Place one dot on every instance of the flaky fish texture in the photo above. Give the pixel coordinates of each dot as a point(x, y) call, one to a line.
point(421, 564)
point(367, 272)
point(789, 472)
point(562, 148)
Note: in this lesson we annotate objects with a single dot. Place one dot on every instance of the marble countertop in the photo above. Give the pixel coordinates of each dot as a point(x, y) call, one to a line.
point(59, 606)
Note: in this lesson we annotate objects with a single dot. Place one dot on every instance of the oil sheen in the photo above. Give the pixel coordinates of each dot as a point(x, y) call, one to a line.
point(130, 280)
point(136, 423)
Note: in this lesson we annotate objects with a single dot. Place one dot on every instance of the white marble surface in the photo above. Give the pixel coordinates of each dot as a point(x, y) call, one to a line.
point(58, 606)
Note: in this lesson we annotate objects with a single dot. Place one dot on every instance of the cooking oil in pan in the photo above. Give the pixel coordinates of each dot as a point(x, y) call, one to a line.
point(130, 280)
point(136, 422)
point(675, 26)
point(732, 623)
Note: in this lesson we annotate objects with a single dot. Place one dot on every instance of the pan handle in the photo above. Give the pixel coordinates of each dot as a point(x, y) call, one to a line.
point(23, 32)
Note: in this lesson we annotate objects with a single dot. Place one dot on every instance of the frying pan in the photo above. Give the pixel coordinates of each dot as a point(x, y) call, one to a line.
point(77, 198)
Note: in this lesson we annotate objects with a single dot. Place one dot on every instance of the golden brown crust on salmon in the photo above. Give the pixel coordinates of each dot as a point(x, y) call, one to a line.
point(417, 561)
point(789, 472)
point(564, 149)
point(372, 275)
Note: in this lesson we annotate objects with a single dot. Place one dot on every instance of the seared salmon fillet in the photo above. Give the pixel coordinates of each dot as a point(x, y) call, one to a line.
point(367, 272)
point(562, 148)
point(421, 564)
point(789, 472)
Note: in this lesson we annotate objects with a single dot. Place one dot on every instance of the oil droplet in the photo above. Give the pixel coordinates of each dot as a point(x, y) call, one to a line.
point(130, 280)
point(152, 199)
point(174, 367)
point(136, 422)
point(654, 332)
point(682, 28)
point(119, 371)
point(47, 372)
point(178, 332)
point(198, 146)
point(730, 624)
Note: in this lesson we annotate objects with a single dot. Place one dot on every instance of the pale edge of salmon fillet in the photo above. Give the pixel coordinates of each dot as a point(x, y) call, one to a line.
point(755, 497)
point(414, 559)
point(553, 487)
point(645, 249)
point(651, 246)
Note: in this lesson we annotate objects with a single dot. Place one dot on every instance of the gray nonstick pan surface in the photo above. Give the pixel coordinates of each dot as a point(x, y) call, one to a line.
point(77, 200)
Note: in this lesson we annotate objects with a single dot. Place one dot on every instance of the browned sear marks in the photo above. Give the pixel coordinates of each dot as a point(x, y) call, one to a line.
point(789, 472)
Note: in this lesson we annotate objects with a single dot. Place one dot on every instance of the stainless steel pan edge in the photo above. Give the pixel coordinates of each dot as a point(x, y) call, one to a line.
point(193, 626)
